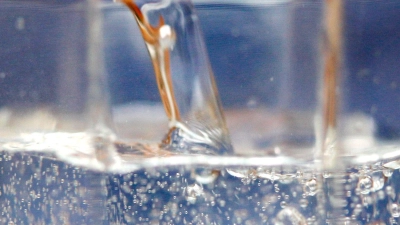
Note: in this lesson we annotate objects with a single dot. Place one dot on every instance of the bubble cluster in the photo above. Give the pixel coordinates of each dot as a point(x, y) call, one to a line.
point(39, 187)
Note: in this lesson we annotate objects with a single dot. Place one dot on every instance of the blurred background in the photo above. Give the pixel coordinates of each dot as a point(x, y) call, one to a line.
point(261, 52)
point(246, 42)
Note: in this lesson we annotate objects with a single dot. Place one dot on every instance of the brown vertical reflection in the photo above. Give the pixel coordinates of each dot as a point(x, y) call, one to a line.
point(160, 59)
point(332, 67)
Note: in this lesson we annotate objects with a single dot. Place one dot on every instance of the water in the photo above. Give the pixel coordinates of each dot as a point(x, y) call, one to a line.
point(170, 31)
point(191, 177)
point(55, 174)
point(41, 186)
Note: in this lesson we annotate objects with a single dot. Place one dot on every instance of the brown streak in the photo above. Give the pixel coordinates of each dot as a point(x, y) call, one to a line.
point(151, 36)
point(148, 32)
point(333, 52)
point(169, 83)
point(161, 84)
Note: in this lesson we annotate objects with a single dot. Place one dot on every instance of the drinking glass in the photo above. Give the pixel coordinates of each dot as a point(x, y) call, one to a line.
point(100, 125)
point(64, 121)
point(313, 82)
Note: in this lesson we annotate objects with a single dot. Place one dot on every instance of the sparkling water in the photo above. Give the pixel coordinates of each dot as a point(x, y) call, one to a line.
point(42, 189)
point(93, 177)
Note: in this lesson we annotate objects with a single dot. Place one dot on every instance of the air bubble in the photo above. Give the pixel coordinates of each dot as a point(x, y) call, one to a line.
point(326, 174)
point(311, 187)
point(377, 182)
point(303, 203)
point(390, 193)
point(270, 199)
point(268, 174)
point(357, 209)
point(206, 176)
point(286, 197)
point(246, 174)
point(394, 209)
point(240, 172)
point(365, 184)
point(311, 220)
point(290, 216)
point(387, 172)
point(299, 174)
point(193, 191)
point(287, 179)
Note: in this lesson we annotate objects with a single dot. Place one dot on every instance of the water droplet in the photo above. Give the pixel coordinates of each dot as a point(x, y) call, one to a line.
point(193, 191)
point(310, 187)
point(290, 216)
point(394, 210)
point(364, 184)
point(283, 204)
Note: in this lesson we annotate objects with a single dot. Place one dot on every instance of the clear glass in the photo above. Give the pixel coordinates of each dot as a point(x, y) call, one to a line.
point(90, 135)
point(56, 74)
point(268, 73)
point(191, 115)
point(368, 120)
point(54, 94)
point(63, 131)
